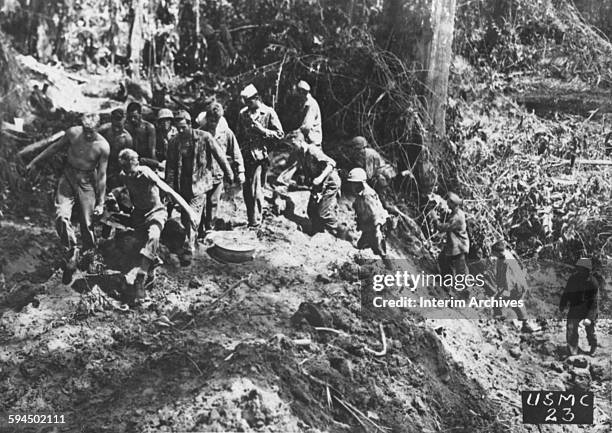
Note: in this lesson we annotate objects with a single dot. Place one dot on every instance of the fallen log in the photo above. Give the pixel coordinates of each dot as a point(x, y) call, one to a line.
point(41, 144)
point(593, 161)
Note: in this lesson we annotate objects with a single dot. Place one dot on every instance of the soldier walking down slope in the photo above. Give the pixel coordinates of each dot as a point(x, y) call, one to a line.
point(581, 294)
point(189, 171)
point(322, 207)
point(149, 214)
point(511, 282)
point(379, 172)
point(370, 215)
point(258, 126)
point(83, 180)
point(226, 140)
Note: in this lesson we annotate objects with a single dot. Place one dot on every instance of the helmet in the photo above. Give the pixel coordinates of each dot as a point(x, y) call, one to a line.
point(182, 114)
point(359, 142)
point(164, 113)
point(249, 92)
point(357, 175)
point(499, 246)
point(303, 85)
point(585, 263)
point(454, 199)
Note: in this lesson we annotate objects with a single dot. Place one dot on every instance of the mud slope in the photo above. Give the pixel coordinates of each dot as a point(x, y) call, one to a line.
point(234, 348)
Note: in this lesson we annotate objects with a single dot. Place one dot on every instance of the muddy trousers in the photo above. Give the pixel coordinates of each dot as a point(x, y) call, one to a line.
point(571, 333)
point(75, 185)
point(452, 265)
point(196, 203)
point(148, 227)
point(322, 207)
point(374, 239)
point(209, 213)
point(255, 174)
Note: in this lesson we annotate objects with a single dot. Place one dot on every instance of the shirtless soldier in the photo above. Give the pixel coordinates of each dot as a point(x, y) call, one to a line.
point(83, 179)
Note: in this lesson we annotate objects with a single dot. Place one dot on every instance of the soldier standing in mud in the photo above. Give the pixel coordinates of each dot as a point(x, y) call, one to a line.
point(143, 135)
point(258, 125)
point(322, 207)
point(148, 216)
point(581, 295)
point(118, 138)
point(452, 257)
point(226, 140)
point(83, 180)
point(189, 171)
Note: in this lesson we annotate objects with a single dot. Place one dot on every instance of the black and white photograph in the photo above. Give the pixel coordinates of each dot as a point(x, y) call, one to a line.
point(306, 216)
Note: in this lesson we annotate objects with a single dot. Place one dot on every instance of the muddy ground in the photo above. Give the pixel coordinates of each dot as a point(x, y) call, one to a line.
point(219, 348)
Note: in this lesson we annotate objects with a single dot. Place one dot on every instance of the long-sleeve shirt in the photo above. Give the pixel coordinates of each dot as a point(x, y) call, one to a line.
point(369, 210)
point(457, 241)
point(310, 124)
point(581, 294)
point(254, 142)
point(189, 167)
point(229, 145)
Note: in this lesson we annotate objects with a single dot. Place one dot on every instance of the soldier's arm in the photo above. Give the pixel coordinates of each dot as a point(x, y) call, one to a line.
point(330, 164)
point(221, 158)
point(101, 172)
point(233, 149)
point(292, 165)
point(176, 197)
point(274, 128)
point(309, 118)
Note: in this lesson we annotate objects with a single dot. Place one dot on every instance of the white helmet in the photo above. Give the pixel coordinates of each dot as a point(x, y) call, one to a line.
point(357, 175)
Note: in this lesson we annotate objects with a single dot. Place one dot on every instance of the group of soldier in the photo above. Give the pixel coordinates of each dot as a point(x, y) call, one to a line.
point(131, 153)
point(189, 166)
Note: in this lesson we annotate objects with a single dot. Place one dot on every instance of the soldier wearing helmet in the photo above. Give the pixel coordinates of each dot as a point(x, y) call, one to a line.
point(320, 169)
point(370, 215)
point(165, 132)
point(581, 295)
point(379, 172)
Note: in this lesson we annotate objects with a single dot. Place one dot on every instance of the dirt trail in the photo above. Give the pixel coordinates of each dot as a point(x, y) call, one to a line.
point(248, 362)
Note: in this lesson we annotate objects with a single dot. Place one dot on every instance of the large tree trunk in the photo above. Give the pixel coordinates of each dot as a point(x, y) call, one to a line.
point(136, 42)
point(439, 58)
point(437, 62)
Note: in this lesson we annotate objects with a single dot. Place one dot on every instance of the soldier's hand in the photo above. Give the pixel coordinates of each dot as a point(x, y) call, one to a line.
point(98, 210)
point(241, 179)
point(587, 322)
point(317, 181)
